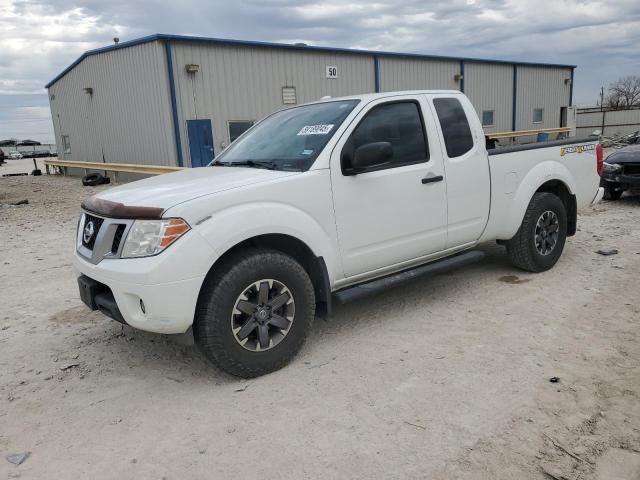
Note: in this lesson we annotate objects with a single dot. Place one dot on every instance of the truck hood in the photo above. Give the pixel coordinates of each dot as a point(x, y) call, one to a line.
point(170, 189)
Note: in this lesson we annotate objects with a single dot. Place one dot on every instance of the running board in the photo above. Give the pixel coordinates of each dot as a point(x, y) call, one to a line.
point(350, 294)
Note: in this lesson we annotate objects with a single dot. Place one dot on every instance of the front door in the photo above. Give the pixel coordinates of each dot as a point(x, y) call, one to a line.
point(200, 142)
point(395, 212)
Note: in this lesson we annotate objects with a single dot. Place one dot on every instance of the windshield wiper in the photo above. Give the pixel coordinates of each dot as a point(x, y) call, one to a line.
point(268, 164)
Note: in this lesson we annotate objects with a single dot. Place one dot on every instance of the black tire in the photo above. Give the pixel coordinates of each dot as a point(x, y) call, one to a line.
point(93, 180)
point(213, 330)
point(611, 194)
point(523, 250)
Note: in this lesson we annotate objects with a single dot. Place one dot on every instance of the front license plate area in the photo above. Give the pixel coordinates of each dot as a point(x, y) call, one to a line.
point(89, 288)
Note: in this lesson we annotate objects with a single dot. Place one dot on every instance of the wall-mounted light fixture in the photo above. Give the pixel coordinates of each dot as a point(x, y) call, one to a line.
point(88, 90)
point(457, 77)
point(567, 81)
point(192, 67)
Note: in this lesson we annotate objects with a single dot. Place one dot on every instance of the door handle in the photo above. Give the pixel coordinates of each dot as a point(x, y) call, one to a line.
point(435, 178)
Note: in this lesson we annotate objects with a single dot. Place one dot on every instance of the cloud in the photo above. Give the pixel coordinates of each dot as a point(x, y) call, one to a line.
point(42, 37)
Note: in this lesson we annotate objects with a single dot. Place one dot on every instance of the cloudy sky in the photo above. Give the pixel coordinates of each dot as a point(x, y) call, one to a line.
point(38, 38)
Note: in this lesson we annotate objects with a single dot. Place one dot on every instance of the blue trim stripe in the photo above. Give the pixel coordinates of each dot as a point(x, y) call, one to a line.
point(250, 43)
point(571, 88)
point(174, 103)
point(376, 73)
point(462, 76)
point(515, 97)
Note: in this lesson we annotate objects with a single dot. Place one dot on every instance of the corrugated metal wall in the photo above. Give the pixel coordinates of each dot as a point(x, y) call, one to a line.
point(129, 116)
point(243, 83)
point(490, 87)
point(541, 88)
point(406, 73)
point(616, 122)
point(127, 119)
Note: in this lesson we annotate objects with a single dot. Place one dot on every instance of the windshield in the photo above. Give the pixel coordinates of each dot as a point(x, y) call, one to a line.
point(290, 139)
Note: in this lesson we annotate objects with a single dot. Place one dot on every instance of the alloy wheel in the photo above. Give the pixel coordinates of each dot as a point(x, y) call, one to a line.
point(547, 230)
point(262, 315)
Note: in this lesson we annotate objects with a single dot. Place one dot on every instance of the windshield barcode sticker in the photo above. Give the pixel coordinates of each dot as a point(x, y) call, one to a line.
point(316, 129)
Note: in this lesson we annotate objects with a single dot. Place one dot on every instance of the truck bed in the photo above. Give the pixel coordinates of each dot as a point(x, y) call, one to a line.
point(514, 171)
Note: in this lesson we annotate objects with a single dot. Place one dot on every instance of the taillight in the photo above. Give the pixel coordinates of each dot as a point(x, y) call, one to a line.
point(599, 158)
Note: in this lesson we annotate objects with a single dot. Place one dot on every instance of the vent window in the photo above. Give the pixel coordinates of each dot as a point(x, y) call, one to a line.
point(289, 96)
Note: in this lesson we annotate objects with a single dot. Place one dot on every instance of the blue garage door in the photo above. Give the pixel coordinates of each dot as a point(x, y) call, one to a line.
point(200, 142)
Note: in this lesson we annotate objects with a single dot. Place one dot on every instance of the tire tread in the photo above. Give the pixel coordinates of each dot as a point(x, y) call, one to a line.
point(519, 248)
point(224, 279)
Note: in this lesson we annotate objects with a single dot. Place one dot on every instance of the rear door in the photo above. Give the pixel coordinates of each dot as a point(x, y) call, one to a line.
point(396, 212)
point(466, 166)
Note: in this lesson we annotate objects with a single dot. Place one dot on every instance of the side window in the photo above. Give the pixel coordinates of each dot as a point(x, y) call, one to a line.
point(538, 115)
point(237, 128)
point(66, 144)
point(400, 124)
point(455, 126)
point(487, 118)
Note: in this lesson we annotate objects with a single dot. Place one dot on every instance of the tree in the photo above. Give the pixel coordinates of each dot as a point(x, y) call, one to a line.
point(625, 92)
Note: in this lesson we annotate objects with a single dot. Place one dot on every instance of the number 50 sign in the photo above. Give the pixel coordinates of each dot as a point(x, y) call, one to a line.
point(332, 71)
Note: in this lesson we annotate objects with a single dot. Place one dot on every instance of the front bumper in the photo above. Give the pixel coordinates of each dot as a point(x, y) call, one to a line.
point(157, 294)
point(621, 179)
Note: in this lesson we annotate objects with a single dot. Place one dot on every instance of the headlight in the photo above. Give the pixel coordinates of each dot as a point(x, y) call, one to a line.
point(150, 237)
point(611, 167)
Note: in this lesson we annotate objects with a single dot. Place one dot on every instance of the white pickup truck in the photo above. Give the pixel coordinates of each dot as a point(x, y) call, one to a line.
point(323, 202)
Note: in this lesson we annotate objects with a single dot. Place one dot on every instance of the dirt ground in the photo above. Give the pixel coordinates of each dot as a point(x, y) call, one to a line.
point(444, 378)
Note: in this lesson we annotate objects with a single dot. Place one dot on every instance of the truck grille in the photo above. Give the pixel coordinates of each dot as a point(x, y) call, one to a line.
point(90, 232)
point(631, 169)
point(117, 238)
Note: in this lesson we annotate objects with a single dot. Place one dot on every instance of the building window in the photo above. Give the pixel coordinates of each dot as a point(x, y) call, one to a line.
point(487, 118)
point(237, 128)
point(538, 115)
point(289, 96)
point(455, 126)
point(66, 144)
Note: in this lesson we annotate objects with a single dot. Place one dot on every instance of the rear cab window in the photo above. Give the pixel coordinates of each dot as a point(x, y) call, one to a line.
point(455, 128)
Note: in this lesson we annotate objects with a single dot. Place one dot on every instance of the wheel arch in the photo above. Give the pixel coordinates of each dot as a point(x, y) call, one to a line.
point(561, 190)
point(314, 265)
point(551, 177)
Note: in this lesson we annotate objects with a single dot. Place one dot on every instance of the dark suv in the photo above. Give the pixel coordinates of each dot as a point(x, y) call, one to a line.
point(621, 172)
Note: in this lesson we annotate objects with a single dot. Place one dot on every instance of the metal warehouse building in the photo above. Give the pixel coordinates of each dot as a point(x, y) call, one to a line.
point(176, 101)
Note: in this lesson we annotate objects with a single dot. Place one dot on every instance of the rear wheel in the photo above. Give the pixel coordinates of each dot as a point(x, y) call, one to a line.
point(254, 312)
point(538, 243)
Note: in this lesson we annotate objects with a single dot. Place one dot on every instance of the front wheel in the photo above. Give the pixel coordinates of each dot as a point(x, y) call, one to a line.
point(538, 243)
point(254, 312)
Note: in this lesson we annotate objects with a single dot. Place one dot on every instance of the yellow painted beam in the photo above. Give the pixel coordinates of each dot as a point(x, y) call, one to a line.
point(113, 167)
point(526, 133)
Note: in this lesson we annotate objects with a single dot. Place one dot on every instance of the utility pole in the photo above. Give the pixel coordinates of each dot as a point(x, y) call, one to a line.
point(602, 109)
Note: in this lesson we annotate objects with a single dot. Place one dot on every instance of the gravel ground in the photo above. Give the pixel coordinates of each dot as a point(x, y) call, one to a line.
point(447, 377)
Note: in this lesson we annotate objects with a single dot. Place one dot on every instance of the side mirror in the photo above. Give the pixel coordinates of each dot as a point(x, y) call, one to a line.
point(372, 155)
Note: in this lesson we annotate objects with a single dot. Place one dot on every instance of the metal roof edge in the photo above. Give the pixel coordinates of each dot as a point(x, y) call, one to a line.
point(254, 43)
point(108, 48)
